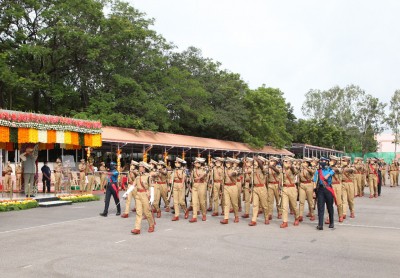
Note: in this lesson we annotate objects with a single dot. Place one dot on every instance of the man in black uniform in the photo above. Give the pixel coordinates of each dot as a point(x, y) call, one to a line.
point(325, 193)
point(112, 189)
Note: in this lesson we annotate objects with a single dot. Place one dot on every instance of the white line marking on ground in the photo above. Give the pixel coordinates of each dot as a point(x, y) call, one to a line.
point(46, 225)
point(120, 241)
point(78, 207)
point(27, 266)
point(168, 230)
point(367, 226)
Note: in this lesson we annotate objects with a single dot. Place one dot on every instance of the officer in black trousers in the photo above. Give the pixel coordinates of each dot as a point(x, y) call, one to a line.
point(324, 191)
point(112, 189)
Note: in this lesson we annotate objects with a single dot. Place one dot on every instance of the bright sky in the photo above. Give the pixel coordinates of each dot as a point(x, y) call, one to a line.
point(289, 44)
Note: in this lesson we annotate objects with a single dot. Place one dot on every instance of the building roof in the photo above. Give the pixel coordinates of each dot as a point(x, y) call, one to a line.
point(144, 137)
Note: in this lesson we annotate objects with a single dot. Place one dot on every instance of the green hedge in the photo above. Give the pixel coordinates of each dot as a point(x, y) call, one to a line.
point(11, 207)
point(83, 199)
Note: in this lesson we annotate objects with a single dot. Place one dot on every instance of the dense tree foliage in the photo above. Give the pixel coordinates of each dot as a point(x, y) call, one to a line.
point(100, 59)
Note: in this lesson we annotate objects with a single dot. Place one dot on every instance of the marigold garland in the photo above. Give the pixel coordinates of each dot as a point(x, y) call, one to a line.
point(23, 135)
point(96, 140)
point(4, 134)
point(67, 137)
point(88, 140)
point(51, 136)
point(33, 135)
point(75, 138)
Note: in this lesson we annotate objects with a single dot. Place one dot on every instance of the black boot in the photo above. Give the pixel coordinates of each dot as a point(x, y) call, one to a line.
point(103, 214)
point(331, 226)
point(320, 228)
point(118, 213)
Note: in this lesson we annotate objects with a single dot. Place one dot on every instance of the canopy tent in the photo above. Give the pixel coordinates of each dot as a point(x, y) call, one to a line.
point(141, 139)
point(306, 150)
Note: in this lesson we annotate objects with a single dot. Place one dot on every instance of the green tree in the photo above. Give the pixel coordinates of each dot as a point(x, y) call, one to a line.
point(266, 124)
point(393, 119)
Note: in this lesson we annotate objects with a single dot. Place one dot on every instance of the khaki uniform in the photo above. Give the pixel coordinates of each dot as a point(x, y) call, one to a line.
point(273, 190)
point(247, 191)
point(383, 171)
point(142, 184)
point(230, 193)
point(358, 179)
point(239, 182)
point(179, 190)
point(199, 191)
point(289, 194)
point(91, 179)
point(131, 180)
point(218, 173)
point(260, 194)
point(162, 183)
point(373, 180)
point(18, 171)
point(57, 176)
point(306, 191)
point(82, 175)
point(154, 177)
point(393, 168)
point(8, 178)
point(103, 177)
point(348, 189)
point(337, 187)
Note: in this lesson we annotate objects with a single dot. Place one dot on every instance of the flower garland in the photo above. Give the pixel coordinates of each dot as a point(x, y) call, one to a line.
point(42, 136)
point(37, 121)
point(4, 134)
point(59, 137)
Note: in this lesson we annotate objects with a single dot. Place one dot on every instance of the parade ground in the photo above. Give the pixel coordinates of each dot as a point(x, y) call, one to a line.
point(74, 241)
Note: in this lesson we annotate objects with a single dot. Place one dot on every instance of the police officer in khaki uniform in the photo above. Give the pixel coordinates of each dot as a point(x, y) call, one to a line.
point(347, 186)
point(393, 173)
point(199, 189)
point(383, 171)
point(210, 183)
point(274, 180)
point(82, 175)
point(306, 188)
point(259, 192)
point(218, 176)
point(373, 178)
point(163, 184)
point(133, 173)
point(58, 175)
point(358, 177)
point(7, 177)
point(178, 178)
point(289, 192)
point(239, 181)
point(247, 179)
point(90, 175)
point(144, 188)
point(157, 193)
point(18, 172)
point(230, 191)
point(103, 175)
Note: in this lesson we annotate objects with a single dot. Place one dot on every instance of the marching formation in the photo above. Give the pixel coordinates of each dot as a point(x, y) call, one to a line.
point(252, 186)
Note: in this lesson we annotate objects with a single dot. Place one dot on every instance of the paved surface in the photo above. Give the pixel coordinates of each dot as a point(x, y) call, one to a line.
point(73, 241)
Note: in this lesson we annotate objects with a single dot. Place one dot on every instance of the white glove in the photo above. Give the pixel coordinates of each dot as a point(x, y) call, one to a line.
point(125, 195)
point(151, 195)
point(130, 189)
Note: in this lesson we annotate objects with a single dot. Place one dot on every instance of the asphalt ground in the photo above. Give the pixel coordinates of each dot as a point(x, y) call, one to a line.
point(74, 241)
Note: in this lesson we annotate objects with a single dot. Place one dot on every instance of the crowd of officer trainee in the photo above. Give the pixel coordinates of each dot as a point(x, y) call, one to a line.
point(250, 188)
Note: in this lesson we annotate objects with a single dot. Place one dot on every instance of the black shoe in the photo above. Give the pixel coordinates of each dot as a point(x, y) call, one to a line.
point(103, 214)
point(320, 228)
point(118, 213)
point(331, 226)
